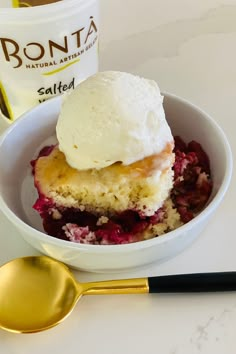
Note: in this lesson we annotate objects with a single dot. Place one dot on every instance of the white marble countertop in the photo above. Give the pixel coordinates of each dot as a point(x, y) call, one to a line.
point(189, 47)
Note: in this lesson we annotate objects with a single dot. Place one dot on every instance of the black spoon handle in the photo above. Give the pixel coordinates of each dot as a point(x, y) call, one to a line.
point(197, 282)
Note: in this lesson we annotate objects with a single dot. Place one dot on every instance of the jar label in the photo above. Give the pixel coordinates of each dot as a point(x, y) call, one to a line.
point(44, 59)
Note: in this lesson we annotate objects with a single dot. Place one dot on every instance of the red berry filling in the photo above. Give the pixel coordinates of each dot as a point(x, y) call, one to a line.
point(192, 183)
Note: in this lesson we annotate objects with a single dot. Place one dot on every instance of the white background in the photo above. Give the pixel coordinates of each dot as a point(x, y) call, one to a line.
point(189, 48)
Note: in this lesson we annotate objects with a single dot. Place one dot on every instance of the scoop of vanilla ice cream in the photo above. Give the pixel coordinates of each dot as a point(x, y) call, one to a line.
point(110, 117)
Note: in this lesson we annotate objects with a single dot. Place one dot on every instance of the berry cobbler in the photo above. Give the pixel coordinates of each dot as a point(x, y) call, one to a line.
point(117, 175)
point(65, 215)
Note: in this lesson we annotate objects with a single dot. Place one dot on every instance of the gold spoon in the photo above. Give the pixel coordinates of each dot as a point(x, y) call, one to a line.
point(39, 292)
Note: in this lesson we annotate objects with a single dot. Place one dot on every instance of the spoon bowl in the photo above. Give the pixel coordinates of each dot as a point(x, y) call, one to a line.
point(38, 293)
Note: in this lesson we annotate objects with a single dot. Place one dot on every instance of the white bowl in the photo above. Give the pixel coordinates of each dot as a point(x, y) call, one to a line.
point(37, 127)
